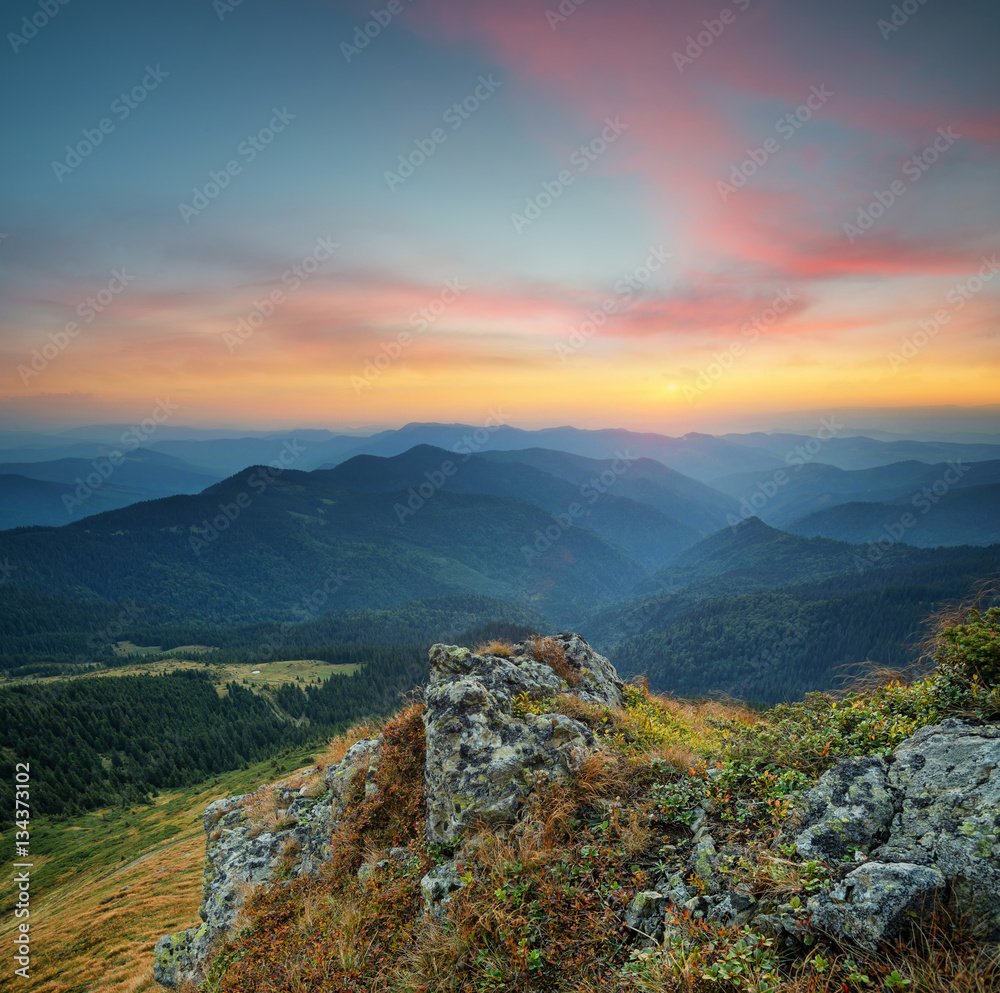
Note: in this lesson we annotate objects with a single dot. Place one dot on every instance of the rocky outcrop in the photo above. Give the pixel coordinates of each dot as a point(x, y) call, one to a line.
point(481, 762)
point(247, 847)
point(924, 825)
point(482, 758)
point(898, 834)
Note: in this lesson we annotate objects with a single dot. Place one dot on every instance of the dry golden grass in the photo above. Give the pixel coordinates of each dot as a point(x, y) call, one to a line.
point(495, 647)
point(552, 652)
point(265, 811)
point(338, 747)
point(677, 755)
point(96, 931)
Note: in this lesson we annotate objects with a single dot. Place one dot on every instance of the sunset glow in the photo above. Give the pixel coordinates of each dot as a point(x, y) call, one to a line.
point(636, 214)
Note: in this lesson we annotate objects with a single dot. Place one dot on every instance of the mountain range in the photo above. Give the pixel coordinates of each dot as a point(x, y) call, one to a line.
point(670, 575)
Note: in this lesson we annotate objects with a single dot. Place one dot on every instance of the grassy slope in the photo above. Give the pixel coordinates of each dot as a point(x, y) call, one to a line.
point(106, 885)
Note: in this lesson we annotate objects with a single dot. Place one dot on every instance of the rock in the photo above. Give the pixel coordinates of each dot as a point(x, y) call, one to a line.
point(675, 889)
point(874, 901)
point(698, 906)
point(702, 864)
point(601, 683)
point(240, 856)
point(851, 806)
point(438, 885)
point(362, 755)
point(734, 909)
point(482, 760)
point(645, 914)
point(927, 820)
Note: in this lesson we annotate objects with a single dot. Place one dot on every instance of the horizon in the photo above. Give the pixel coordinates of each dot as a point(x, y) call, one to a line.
point(892, 423)
point(590, 213)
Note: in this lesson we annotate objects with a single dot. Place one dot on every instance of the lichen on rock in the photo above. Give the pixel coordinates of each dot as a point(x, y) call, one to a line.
point(924, 820)
point(241, 854)
point(482, 759)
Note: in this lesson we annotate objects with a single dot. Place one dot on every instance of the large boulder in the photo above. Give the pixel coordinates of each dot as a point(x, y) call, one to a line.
point(923, 824)
point(850, 809)
point(482, 757)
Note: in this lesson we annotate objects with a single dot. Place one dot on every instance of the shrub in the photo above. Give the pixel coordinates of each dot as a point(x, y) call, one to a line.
point(552, 652)
point(966, 651)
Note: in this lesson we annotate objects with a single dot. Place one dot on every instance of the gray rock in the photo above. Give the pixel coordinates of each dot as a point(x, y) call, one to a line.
point(601, 683)
point(874, 901)
point(734, 909)
point(927, 818)
point(645, 913)
point(697, 905)
point(362, 755)
point(851, 806)
point(702, 864)
point(481, 759)
point(239, 856)
point(675, 889)
point(438, 885)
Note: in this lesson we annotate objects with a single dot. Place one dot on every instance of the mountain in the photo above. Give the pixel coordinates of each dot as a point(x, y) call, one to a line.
point(154, 472)
point(225, 456)
point(860, 452)
point(82, 487)
point(25, 502)
point(969, 516)
point(262, 545)
point(760, 614)
point(646, 481)
point(747, 558)
point(701, 456)
point(639, 528)
point(803, 488)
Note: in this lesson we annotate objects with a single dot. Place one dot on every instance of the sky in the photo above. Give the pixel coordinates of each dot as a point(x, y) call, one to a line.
point(660, 216)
